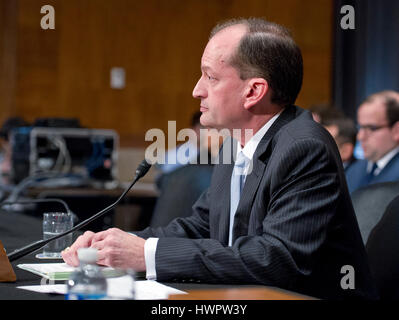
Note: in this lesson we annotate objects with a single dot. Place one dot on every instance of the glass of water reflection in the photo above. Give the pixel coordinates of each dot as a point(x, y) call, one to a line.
point(55, 223)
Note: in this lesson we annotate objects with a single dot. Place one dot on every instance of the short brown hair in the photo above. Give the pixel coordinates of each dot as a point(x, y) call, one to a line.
point(390, 99)
point(346, 129)
point(268, 51)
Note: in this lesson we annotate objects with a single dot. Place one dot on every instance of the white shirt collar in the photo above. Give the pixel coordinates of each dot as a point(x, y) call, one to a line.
point(250, 147)
point(383, 161)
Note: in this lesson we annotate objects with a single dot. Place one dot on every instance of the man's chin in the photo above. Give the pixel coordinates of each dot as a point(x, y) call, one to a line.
point(205, 121)
point(370, 157)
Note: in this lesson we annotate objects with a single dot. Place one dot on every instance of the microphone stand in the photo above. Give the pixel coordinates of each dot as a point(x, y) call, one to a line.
point(140, 172)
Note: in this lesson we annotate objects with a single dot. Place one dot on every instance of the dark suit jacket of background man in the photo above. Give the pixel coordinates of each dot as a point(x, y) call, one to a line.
point(294, 228)
point(355, 175)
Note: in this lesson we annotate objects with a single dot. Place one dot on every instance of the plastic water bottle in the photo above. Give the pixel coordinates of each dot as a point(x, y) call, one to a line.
point(87, 282)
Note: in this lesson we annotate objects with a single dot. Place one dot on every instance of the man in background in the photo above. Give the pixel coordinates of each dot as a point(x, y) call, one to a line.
point(175, 159)
point(378, 124)
point(5, 156)
point(324, 111)
point(343, 130)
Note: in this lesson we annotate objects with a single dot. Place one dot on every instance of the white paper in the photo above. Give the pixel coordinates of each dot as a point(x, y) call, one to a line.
point(49, 288)
point(118, 288)
point(46, 268)
point(59, 271)
point(153, 290)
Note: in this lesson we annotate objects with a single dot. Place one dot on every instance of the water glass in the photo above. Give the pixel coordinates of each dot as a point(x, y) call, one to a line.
point(55, 223)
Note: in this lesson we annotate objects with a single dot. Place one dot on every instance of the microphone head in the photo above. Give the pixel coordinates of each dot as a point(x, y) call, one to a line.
point(142, 169)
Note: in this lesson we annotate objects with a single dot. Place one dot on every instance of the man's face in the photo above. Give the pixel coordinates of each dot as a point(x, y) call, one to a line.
point(375, 135)
point(220, 88)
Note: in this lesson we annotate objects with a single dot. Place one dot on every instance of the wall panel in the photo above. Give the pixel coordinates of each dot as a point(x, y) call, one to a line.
point(65, 72)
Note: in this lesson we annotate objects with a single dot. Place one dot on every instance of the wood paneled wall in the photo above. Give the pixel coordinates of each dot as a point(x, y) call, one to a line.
point(66, 72)
point(8, 58)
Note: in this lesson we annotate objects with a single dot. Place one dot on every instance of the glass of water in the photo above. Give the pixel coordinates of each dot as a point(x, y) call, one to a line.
point(55, 223)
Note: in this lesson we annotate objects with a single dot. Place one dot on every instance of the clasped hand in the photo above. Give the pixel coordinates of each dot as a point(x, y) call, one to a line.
point(116, 248)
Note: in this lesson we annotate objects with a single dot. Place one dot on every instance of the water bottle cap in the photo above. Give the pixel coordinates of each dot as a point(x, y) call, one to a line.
point(88, 255)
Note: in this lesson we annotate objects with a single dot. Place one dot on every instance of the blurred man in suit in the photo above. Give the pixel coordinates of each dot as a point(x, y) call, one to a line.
point(5, 154)
point(323, 111)
point(185, 184)
point(281, 214)
point(343, 130)
point(378, 124)
point(175, 160)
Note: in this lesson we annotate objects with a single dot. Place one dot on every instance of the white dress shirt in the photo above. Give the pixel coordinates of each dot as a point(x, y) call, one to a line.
point(249, 149)
point(382, 162)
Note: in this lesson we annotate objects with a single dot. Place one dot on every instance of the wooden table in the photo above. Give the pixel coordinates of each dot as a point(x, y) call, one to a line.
point(240, 294)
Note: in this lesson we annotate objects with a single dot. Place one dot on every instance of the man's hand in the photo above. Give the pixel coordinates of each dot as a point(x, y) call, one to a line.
point(119, 249)
point(116, 248)
point(70, 254)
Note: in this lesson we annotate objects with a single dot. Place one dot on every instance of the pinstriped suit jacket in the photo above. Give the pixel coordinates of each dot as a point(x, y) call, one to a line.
point(294, 228)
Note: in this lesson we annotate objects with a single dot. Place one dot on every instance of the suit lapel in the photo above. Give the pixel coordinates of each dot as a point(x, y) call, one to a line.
point(260, 159)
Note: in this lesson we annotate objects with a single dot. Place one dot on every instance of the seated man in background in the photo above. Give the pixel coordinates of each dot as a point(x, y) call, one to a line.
point(5, 157)
point(175, 159)
point(343, 130)
point(378, 124)
point(324, 111)
point(280, 213)
point(185, 184)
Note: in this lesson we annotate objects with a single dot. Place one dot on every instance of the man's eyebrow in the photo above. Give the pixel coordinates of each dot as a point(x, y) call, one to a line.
point(205, 68)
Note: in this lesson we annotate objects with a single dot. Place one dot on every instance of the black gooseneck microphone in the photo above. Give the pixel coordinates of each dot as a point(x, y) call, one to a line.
point(141, 170)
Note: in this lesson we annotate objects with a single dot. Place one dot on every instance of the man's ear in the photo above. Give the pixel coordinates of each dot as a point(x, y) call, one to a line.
point(257, 88)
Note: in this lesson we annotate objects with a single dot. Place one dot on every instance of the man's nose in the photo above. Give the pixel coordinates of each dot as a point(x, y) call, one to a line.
point(199, 92)
point(360, 134)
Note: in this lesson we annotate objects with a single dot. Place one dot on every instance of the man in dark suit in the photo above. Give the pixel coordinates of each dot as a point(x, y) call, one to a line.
point(280, 215)
point(378, 121)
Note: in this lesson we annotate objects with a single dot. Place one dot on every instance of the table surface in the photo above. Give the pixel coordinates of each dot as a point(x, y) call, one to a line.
point(17, 230)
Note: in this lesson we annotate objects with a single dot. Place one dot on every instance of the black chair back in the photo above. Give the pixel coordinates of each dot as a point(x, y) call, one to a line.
point(383, 251)
point(370, 204)
point(179, 190)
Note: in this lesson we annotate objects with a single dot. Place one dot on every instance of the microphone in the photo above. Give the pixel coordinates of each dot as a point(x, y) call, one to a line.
point(141, 170)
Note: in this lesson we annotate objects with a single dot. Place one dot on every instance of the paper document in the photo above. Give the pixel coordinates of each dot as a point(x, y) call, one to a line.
point(59, 271)
point(119, 288)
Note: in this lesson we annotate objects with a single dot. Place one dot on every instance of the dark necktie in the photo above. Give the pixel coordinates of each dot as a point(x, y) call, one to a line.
point(369, 176)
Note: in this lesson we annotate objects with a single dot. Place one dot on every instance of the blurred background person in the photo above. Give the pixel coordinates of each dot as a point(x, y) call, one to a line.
point(184, 185)
point(323, 111)
point(175, 159)
point(343, 130)
point(5, 155)
point(378, 133)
